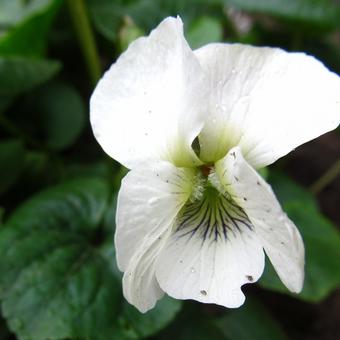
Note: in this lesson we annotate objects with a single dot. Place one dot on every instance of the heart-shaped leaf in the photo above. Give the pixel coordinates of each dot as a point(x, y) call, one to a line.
point(54, 283)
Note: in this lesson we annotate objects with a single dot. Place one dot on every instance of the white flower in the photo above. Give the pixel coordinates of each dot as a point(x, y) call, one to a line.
point(193, 216)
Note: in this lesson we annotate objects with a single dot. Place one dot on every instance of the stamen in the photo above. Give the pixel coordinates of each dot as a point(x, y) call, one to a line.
point(215, 182)
point(198, 188)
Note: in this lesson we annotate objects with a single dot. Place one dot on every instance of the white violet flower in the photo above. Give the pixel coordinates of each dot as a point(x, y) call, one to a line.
point(194, 217)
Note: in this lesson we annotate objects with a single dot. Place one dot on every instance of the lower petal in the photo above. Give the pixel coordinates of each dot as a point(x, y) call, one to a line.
point(278, 234)
point(211, 254)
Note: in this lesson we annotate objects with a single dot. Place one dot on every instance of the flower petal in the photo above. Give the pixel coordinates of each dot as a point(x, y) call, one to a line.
point(279, 236)
point(148, 202)
point(265, 100)
point(211, 254)
point(140, 286)
point(151, 103)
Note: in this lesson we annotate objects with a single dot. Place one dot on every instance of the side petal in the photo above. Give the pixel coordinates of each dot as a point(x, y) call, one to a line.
point(148, 202)
point(150, 104)
point(279, 236)
point(265, 100)
point(211, 254)
point(140, 286)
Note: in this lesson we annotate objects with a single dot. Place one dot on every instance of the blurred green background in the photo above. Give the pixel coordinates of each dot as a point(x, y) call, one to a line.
point(58, 277)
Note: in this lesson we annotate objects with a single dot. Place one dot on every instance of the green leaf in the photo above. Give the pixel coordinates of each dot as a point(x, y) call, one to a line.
point(195, 321)
point(322, 242)
point(137, 325)
point(319, 12)
point(14, 11)
point(29, 36)
point(38, 170)
point(4, 332)
point(54, 283)
point(28, 24)
point(62, 115)
point(5, 103)
point(289, 191)
point(12, 157)
point(107, 15)
point(9, 12)
point(18, 75)
point(59, 277)
point(250, 322)
point(263, 172)
point(2, 212)
point(98, 169)
point(204, 30)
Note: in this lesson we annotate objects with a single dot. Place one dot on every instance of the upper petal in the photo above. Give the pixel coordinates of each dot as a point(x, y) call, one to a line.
point(148, 202)
point(265, 100)
point(150, 104)
point(277, 233)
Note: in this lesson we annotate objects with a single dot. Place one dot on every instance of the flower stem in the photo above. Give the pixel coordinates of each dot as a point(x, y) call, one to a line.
point(328, 177)
point(85, 37)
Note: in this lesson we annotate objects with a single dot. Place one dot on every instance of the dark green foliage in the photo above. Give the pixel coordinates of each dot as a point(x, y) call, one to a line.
point(318, 12)
point(322, 242)
point(18, 74)
point(12, 155)
point(28, 37)
point(251, 322)
point(58, 283)
point(61, 115)
point(107, 15)
point(203, 31)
